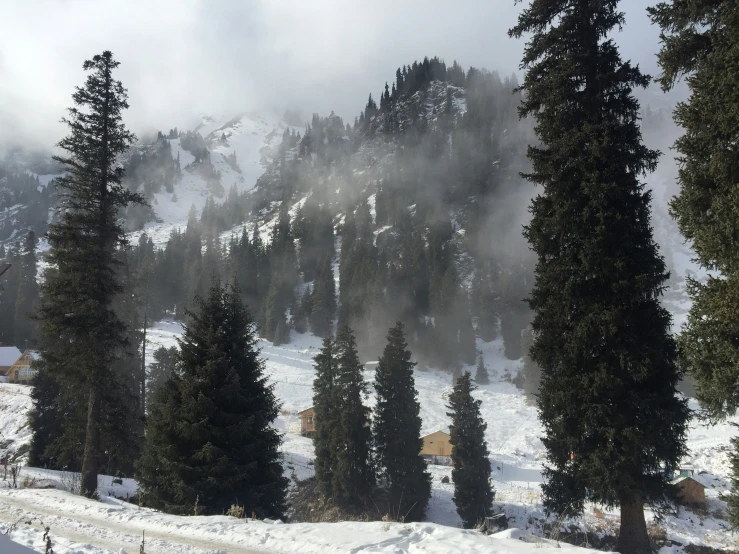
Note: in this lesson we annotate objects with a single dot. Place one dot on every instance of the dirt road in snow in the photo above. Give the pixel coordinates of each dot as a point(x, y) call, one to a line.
point(102, 533)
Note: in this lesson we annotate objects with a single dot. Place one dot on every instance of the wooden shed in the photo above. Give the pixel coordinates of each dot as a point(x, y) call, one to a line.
point(307, 422)
point(437, 449)
point(691, 491)
point(21, 371)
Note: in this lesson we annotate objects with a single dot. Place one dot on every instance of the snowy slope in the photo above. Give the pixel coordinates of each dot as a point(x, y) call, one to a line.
point(254, 138)
point(109, 525)
point(516, 457)
point(15, 433)
point(512, 436)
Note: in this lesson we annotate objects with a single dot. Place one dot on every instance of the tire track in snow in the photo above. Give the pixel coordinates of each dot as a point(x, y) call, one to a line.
point(111, 535)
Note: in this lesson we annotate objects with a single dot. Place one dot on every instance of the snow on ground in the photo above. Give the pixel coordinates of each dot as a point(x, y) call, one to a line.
point(516, 456)
point(15, 433)
point(113, 525)
point(253, 137)
point(512, 436)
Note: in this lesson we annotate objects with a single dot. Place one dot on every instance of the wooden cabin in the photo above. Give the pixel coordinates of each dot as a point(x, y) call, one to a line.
point(437, 449)
point(690, 491)
point(8, 356)
point(307, 422)
point(21, 371)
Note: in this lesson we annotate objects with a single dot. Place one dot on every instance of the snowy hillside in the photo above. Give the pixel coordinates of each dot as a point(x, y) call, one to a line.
point(516, 457)
point(253, 138)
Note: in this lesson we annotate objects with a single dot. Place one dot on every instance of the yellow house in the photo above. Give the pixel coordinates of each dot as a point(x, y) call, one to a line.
point(21, 370)
point(437, 449)
point(307, 422)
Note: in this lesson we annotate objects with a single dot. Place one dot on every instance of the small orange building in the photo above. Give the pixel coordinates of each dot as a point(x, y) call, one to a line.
point(691, 491)
point(307, 422)
point(21, 371)
point(437, 449)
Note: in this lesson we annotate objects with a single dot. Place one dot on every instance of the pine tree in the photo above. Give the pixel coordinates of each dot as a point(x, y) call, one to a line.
point(209, 439)
point(481, 376)
point(614, 426)
point(326, 416)
point(397, 431)
point(352, 474)
point(473, 493)
point(299, 314)
point(531, 370)
point(165, 362)
point(283, 277)
point(81, 337)
point(700, 41)
point(28, 294)
point(323, 299)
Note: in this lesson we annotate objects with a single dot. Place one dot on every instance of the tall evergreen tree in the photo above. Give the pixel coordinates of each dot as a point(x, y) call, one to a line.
point(481, 375)
point(397, 430)
point(323, 299)
point(81, 337)
point(283, 278)
point(209, 439)
point(473, 492)
point(531, 370)
point(326, 415)
point(165, 363)
point(28, 294)
point(700, 39)
point(353, 476)
point(614, 426)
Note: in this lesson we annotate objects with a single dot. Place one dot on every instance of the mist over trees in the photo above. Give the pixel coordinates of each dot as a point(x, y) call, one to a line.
point(403, 237)
point(396, 235)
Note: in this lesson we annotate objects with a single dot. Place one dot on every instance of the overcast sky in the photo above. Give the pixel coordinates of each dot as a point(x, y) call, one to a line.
point(180, 58)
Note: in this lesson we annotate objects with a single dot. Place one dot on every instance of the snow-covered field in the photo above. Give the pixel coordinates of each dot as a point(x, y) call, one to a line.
point(79, 525)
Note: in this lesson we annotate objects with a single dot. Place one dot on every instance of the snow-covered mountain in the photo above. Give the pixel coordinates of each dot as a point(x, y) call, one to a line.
point(252, 137)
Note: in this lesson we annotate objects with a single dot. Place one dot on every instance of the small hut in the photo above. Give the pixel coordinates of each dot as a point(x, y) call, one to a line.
point(690, 491)
point(437, 449)
point(307, 422)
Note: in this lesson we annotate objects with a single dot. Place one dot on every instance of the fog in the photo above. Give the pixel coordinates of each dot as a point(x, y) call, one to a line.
point(181, 58)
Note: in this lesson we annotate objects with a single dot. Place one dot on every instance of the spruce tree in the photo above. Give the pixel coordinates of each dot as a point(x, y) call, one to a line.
point(481, 376)
point(473, 492)
point(80, 335)
point(700, 40)
point(353, 476)
point(531, 370)
point(614, 427)
point(28, 294)
point(209, 439)
point(323, 299)
point(165, 362)
point(326, 416)
point(397, 431)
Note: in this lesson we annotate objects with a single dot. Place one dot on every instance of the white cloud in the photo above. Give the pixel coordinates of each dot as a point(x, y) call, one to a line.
point(183, 57)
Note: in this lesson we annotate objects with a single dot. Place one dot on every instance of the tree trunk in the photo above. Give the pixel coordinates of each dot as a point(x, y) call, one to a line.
point(91, 457)
point(633, 537)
